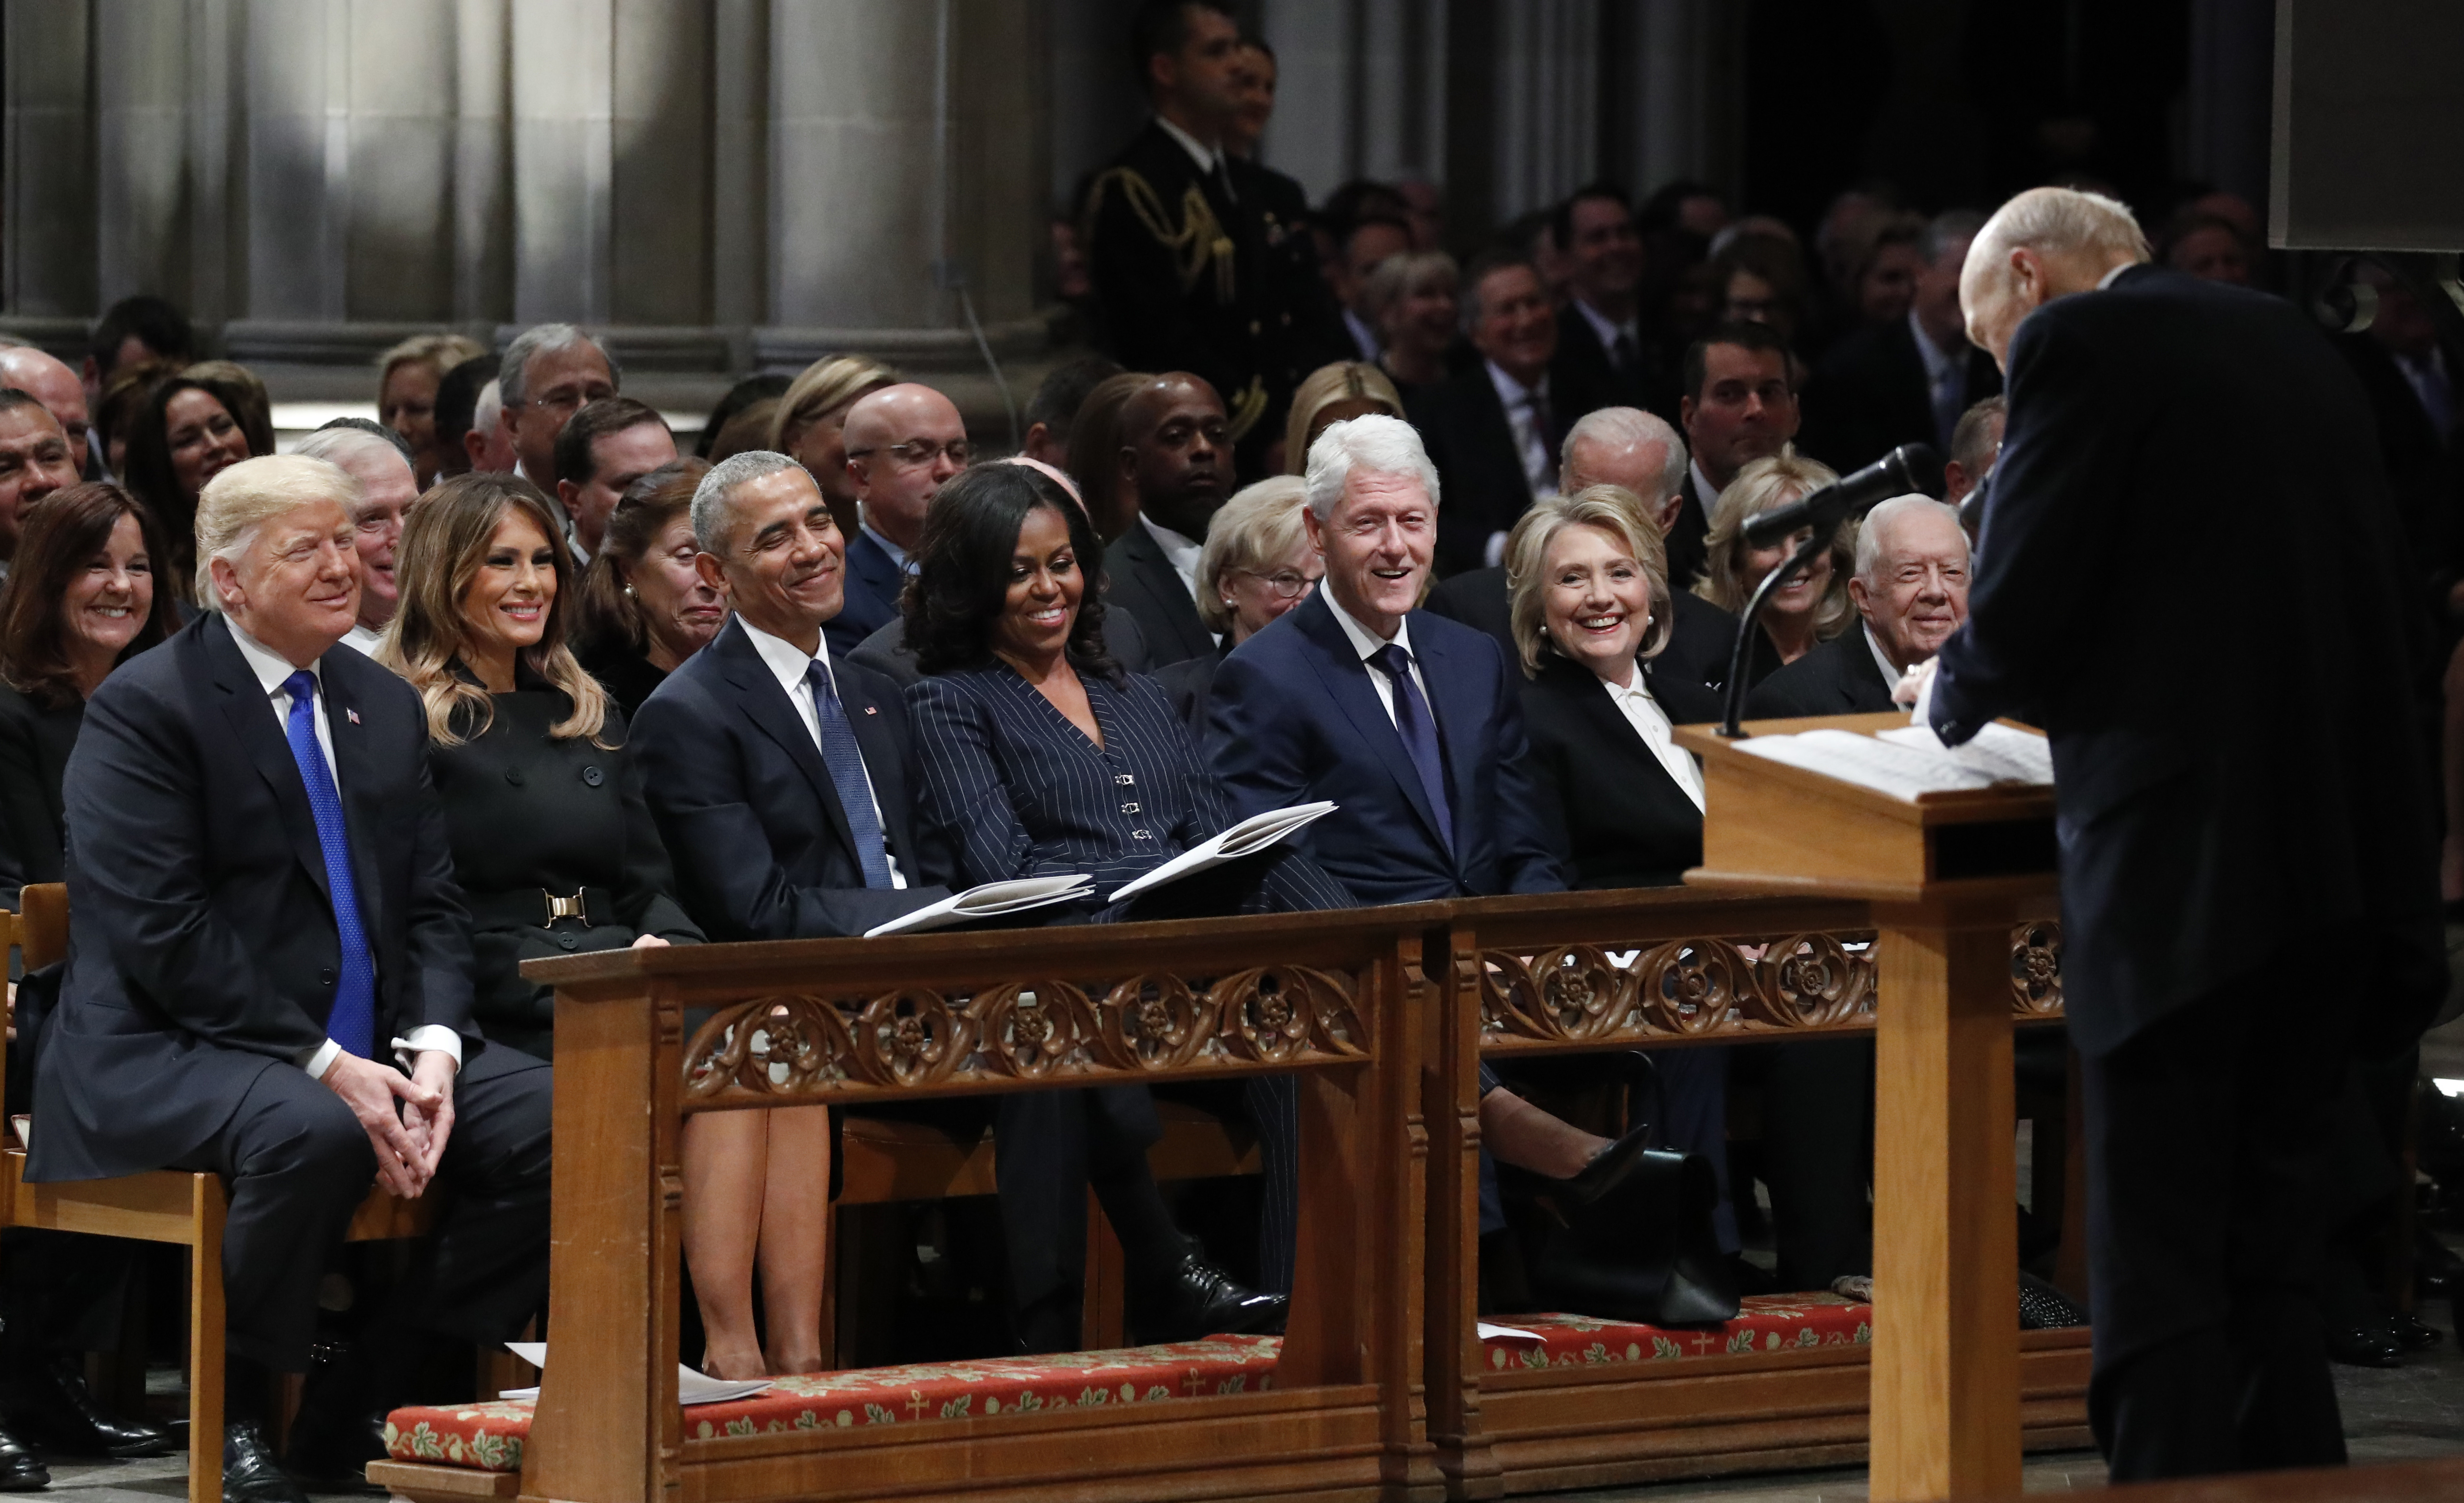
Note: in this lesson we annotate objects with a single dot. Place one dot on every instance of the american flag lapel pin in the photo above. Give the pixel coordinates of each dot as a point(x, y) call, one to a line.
point(871, 709)
point(352, 715)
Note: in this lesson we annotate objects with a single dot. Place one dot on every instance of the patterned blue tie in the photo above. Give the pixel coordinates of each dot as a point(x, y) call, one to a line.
point(1419, 730)
point(353, 1022)
point(845, 761)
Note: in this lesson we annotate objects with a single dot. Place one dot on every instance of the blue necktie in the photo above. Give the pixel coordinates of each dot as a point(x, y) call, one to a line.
point(1419, 730)
point(846, 762)
point(353, 1021)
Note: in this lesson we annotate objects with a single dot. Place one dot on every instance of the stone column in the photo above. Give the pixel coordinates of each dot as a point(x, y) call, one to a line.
point(739, 174)
point(660, 164)
point(2233, 80)
point(1674, 84)
point(563, 168)
point(483, 217)
point(1361, 90)
point(299, 58)
point(140, 148)
point(1548, 101)
point(47, 178)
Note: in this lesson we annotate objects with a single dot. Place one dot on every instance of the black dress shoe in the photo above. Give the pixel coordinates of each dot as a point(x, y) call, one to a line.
point(1196, 1299)
point(1607, 1169)
point(21, 1470)
point(2410, 1333)
point(2364, 1346)
point(250, 1472)
point(60, 1412)
point(334, 1457)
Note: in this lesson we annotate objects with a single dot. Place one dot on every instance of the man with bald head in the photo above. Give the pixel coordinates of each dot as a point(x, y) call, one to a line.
point(52, 383)
point(903, 444)
point(1177, 450)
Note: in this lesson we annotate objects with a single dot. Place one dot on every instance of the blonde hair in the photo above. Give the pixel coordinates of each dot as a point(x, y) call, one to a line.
point(1615, 510)
point(239, 501)
point(1344, 381)
point(438, 352)
point(828, 385)
point(1760, 486)
point(1259, 525)
point(444, 541)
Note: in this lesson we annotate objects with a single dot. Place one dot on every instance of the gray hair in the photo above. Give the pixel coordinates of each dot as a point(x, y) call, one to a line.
point(1878, 521)
point(488, 409)
point(1259, 525)
point(714, 509)
point(2056, 221)
point(512, 385)
point(1397, 276)
point(1376, 445)
point(345, 440)
point(1949, 227)
point(1628, 428)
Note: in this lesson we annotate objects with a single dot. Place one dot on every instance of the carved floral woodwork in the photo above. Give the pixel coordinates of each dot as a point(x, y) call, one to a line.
point(830, 1048)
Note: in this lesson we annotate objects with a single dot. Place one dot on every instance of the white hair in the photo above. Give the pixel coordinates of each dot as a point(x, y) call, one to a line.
point(512, 376)
point(1627, 427)
point(1375, 444)
point(1878, 521)
point(2058, 222)
point(488, 410)
point(344, 445)
point(713, 500)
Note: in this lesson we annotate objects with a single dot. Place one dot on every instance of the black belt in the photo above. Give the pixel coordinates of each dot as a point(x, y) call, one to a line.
point(540, 908)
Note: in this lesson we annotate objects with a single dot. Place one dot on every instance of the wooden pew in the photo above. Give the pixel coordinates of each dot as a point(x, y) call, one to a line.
point(1535, 976)
point(1337, 998)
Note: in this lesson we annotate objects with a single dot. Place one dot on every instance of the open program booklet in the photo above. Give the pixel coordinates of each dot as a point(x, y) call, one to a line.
point(1911, 760)
point(1246, 838)
point(987, 901)
point(691, 1387)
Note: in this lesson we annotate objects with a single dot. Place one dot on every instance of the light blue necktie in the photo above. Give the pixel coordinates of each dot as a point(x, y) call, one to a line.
point(845, 761)
point(353, 1021)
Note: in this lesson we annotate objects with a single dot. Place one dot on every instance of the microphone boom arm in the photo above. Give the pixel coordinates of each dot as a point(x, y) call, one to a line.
point(1738, 655)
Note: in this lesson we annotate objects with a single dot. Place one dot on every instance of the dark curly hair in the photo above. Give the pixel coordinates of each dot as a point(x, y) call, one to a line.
point(963, 563)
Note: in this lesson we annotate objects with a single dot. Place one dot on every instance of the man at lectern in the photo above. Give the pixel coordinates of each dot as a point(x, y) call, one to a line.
point(2246, 812)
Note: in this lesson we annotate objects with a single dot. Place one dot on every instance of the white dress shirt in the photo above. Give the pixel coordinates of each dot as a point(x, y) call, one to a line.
point(1530, 436)
point(365, 639)
point(788, 663)
point(1177, 550)
point(1366, 644)
point(1650, 722)
point(1364, 338)
point(1631, 331)
point(897, 556)
point(274, 672)
point(1881, 659)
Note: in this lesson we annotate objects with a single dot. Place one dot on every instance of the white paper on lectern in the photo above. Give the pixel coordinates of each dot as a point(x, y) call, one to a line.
point(987, 901)
point(2002, 752)
point(1891, 767)
point(691, 1387)
point(1246, 838)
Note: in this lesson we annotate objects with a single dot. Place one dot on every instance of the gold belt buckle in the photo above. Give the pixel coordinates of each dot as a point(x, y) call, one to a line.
point(567, 907)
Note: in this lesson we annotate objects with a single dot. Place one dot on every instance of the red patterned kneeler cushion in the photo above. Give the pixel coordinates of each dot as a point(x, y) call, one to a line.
point(489, 1436)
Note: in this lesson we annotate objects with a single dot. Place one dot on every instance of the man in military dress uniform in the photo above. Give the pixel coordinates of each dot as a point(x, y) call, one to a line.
point(1199, 262)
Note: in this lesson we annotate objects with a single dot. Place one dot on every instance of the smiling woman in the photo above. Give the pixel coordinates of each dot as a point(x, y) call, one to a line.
point(183, 436)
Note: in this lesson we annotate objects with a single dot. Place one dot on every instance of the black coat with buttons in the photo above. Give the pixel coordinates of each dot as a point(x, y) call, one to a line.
point(529, 814)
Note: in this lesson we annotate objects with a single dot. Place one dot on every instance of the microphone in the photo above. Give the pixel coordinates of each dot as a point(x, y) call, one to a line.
point(1911, 467)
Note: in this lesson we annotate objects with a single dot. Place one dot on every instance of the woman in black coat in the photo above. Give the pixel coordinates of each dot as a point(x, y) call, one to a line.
point(554, 845)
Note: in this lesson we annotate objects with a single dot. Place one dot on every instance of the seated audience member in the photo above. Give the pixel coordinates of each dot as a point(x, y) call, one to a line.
point(1364, 245)
point(262, 917)
point(1740, 404)
point(1906, 379)
point(1601, 348)
point(1760, 279)
point(1329, 394)
point(35, 461)
point(809, 427)
point(1910, 587)
point(1974, 445)
point(1052, 412)
point(553, 843)
point(183, 436)
point(1411, 301)
point(746, 431)
point(490, 442)
point(1806, 611)
point(243, 391)
point(1637, 452)
point(139, 332)
point(762, 386)
point(124, 397)
point(1886, 263)
point(601, 449)
point(1258, 563)
point(643, 607)
point(458, 413)
point(903, 444)
point(1493, 431)
point(408, 377)
point(550, 372)
point(1176, 451)
point(1094, 463)
point(51, 383)
point(2210, 247)
point(1040, 757)
point(378, 460)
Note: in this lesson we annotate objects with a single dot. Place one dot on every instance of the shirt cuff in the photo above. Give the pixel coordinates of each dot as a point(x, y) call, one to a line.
point(425, 1037)
point(323, 1059)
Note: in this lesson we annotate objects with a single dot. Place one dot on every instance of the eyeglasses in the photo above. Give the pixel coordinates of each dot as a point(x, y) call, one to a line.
point(565, 399)
point(1284, 583)
point(917, 453)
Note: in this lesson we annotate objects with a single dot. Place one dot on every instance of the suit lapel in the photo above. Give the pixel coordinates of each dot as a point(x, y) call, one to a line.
point(766, 704)
point(250, 715)
point(1152, 573)
point(1347, 679)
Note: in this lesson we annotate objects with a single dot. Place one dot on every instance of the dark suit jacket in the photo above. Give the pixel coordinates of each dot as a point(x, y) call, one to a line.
point(2425, 463)
point(1481, 487)
point(1590, 380)
point(1141, 583)
point(1688, 553)
point(1869, 397)
point(2220, 790)
point(1837, 678)
point(34, 746)
point(1614, 815)
point(202, 944)
point(746, 807)
point(1292, 717)
point(886, 652)
point(873, 582)
point(1700, 638)
point(1187, 685)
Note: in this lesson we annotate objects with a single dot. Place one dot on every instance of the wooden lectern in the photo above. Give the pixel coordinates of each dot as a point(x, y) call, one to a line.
point(1947, 875)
